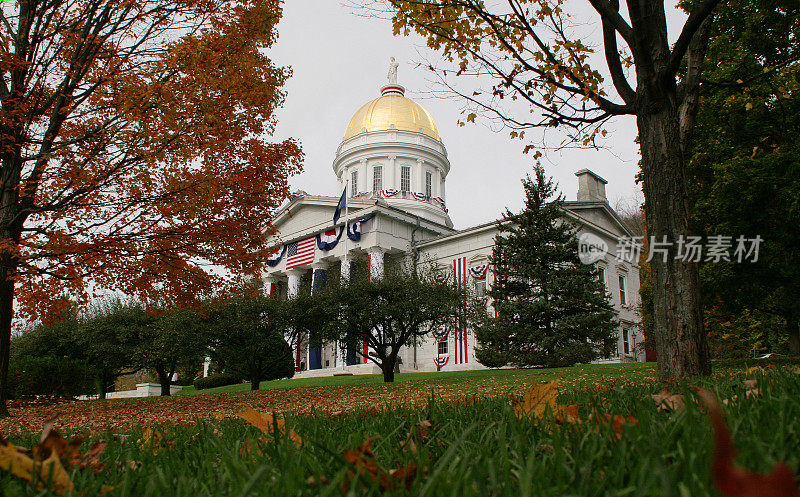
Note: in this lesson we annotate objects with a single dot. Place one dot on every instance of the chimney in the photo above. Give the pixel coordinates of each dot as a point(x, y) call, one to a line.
point(591, 187)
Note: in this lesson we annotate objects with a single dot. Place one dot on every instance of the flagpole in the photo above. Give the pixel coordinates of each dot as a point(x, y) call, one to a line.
point(346, 261)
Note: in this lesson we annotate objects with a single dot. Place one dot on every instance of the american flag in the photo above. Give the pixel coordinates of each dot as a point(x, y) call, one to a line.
point(299, 253)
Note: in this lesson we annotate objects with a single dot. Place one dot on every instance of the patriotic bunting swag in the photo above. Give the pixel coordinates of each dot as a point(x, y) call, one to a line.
point(441, 361)
point(441, 333)
point(275, 259)
point(354, 230)
point(441, 278)
point(479, 272)
point(391, 192)
point(460, 331)
point(329, 239)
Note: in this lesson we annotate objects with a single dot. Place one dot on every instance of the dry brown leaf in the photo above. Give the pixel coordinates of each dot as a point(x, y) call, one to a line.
point(419, 431)
point(151, 438)
point(668, 401)
point(404, 475)
point(568, 414)
point(537, 400)
point(732, 481)
point(38, 473)
point(750, 384)
point(267, 424)
point(754, 369)
point(363, 460)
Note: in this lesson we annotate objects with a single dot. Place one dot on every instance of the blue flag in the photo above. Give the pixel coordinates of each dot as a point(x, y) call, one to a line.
point(340, 207)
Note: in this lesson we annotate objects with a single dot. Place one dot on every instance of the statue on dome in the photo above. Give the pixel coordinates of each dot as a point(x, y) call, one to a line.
point(392, 76)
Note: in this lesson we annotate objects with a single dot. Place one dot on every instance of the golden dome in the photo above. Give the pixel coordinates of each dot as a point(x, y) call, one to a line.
point(392, 108)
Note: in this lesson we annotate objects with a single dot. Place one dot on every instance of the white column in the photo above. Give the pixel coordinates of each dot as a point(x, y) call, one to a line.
point(390, 181)
point(345, 271)
point(292, 289)
point(420, 186)
point(375, 263)
point(293, 283)
point(315, 273)
point(363, 176)
point(206, 365)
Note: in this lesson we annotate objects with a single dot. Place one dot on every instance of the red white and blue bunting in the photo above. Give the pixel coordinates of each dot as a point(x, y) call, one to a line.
point(419, 196)
point(275, 258)
point(329, 239)
point(479, 272)
point(354, 230)
point(441, 361)
point(441, 278)
point(441, 333)
point(389, 193)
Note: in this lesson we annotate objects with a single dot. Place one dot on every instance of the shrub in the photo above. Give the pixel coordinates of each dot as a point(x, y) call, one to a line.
point(31, 376)
point(216, 380)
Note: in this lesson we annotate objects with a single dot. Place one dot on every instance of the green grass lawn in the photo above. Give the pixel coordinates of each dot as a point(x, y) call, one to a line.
point(632, 370)
point(476, 449)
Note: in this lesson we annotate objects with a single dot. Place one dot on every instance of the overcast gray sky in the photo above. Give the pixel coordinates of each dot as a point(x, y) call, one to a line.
point(340, 61)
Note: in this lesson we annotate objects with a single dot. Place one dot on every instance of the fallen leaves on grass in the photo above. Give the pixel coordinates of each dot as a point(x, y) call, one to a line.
point(733, 481)
point(418, 433)
point(537, 400)
point(45, 465)
point(268, 424)
point(617, 422)
point(668, 401)
point(48, 473)
point(363, 461)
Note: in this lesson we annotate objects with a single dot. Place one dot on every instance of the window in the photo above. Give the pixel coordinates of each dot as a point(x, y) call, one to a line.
point(443, 347)
point(377, 178)
point(480, 288)
point(601, 275)
point(429, 184)
point(405, 179)
point(354, 183)
point(623, 297)
point(626, 348)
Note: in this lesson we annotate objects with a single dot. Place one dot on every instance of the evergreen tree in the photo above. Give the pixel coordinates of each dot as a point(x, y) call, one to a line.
point(552, 310)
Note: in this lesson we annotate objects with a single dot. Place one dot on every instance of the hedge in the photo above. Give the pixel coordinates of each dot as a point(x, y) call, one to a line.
point(216, 380)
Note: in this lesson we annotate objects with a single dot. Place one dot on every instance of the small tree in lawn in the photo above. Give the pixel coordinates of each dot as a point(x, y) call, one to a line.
point(171, 342)
point(247, 338)
point(389, 313)
point(552, 310)
point(108, 336)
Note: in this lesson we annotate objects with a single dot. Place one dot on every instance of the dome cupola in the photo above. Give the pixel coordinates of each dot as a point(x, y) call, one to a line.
point(392, 151)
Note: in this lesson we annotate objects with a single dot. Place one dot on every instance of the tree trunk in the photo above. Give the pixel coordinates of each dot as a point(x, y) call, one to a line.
point(6, 316)
point(254, 383)
point(680, 340)
point(793, 329)
point(387, 366)
point(165, 382)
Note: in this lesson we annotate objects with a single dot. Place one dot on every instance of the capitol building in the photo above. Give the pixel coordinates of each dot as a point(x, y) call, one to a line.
point(394, 165)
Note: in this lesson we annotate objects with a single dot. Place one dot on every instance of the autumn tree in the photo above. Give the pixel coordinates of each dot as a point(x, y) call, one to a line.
point(132, 151)
point(533, 53)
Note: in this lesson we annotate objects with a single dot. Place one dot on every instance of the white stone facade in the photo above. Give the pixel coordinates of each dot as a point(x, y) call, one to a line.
point(406, 212)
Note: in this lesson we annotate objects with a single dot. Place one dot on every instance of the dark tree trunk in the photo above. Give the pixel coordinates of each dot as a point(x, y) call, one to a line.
point(254, 383)
point(793, 329)
point(680, 340)
point(387, 366)
point(6, 316)
point(165, 382)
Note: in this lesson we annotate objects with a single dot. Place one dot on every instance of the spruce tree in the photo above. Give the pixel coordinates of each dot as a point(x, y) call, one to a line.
point(552, 310)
